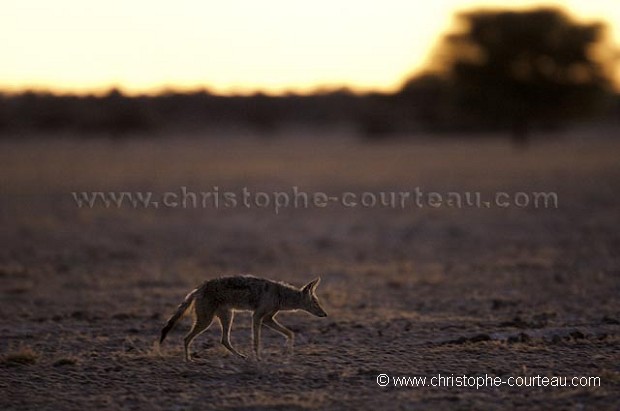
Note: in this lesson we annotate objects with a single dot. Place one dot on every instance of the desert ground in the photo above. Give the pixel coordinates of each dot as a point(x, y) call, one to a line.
point(503, 291)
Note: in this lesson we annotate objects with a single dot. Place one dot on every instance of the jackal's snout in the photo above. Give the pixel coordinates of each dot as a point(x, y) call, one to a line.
point(321, 313)
point(313, 306)
point(312, 302)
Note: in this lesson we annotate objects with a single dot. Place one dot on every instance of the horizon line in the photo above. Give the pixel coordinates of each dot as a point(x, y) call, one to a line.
point(101, 91)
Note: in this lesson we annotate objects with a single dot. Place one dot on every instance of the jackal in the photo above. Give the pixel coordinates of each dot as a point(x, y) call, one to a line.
point(221, 297)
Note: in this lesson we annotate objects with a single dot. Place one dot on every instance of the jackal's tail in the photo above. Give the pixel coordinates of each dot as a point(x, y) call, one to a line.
point(181, 309)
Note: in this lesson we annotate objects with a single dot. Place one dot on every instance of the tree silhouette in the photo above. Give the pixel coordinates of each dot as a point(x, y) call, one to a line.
point(521, 69)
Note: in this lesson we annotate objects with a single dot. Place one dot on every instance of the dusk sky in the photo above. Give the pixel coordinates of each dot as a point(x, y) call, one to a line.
point(234, 46)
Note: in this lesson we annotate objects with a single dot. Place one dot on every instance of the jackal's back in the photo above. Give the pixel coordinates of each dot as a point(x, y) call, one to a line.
point(244, 292)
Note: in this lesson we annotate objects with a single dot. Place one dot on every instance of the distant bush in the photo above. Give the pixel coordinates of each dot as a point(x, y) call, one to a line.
point(515, 70)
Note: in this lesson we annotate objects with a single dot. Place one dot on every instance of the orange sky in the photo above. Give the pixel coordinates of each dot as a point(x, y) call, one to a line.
point(233, 46)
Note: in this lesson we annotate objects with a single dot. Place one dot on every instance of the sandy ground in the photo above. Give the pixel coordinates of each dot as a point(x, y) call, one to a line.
point(414, 292)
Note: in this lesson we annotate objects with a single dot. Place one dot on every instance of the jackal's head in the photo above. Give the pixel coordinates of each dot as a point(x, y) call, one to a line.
point(310, 302)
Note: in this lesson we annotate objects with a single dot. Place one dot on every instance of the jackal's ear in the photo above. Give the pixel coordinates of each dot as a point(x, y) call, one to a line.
point(311, 286)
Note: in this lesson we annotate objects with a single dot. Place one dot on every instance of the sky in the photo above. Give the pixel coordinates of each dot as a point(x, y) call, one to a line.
point(233, 46)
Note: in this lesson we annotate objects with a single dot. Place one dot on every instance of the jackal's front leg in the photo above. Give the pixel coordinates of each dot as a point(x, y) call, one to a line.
point(272, 323)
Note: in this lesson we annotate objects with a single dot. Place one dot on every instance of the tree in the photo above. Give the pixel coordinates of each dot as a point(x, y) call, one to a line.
point(521, 69)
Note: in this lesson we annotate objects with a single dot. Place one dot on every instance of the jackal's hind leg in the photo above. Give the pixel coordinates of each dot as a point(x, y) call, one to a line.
point(201, 323)
point(257, 321)
point(226, 318)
